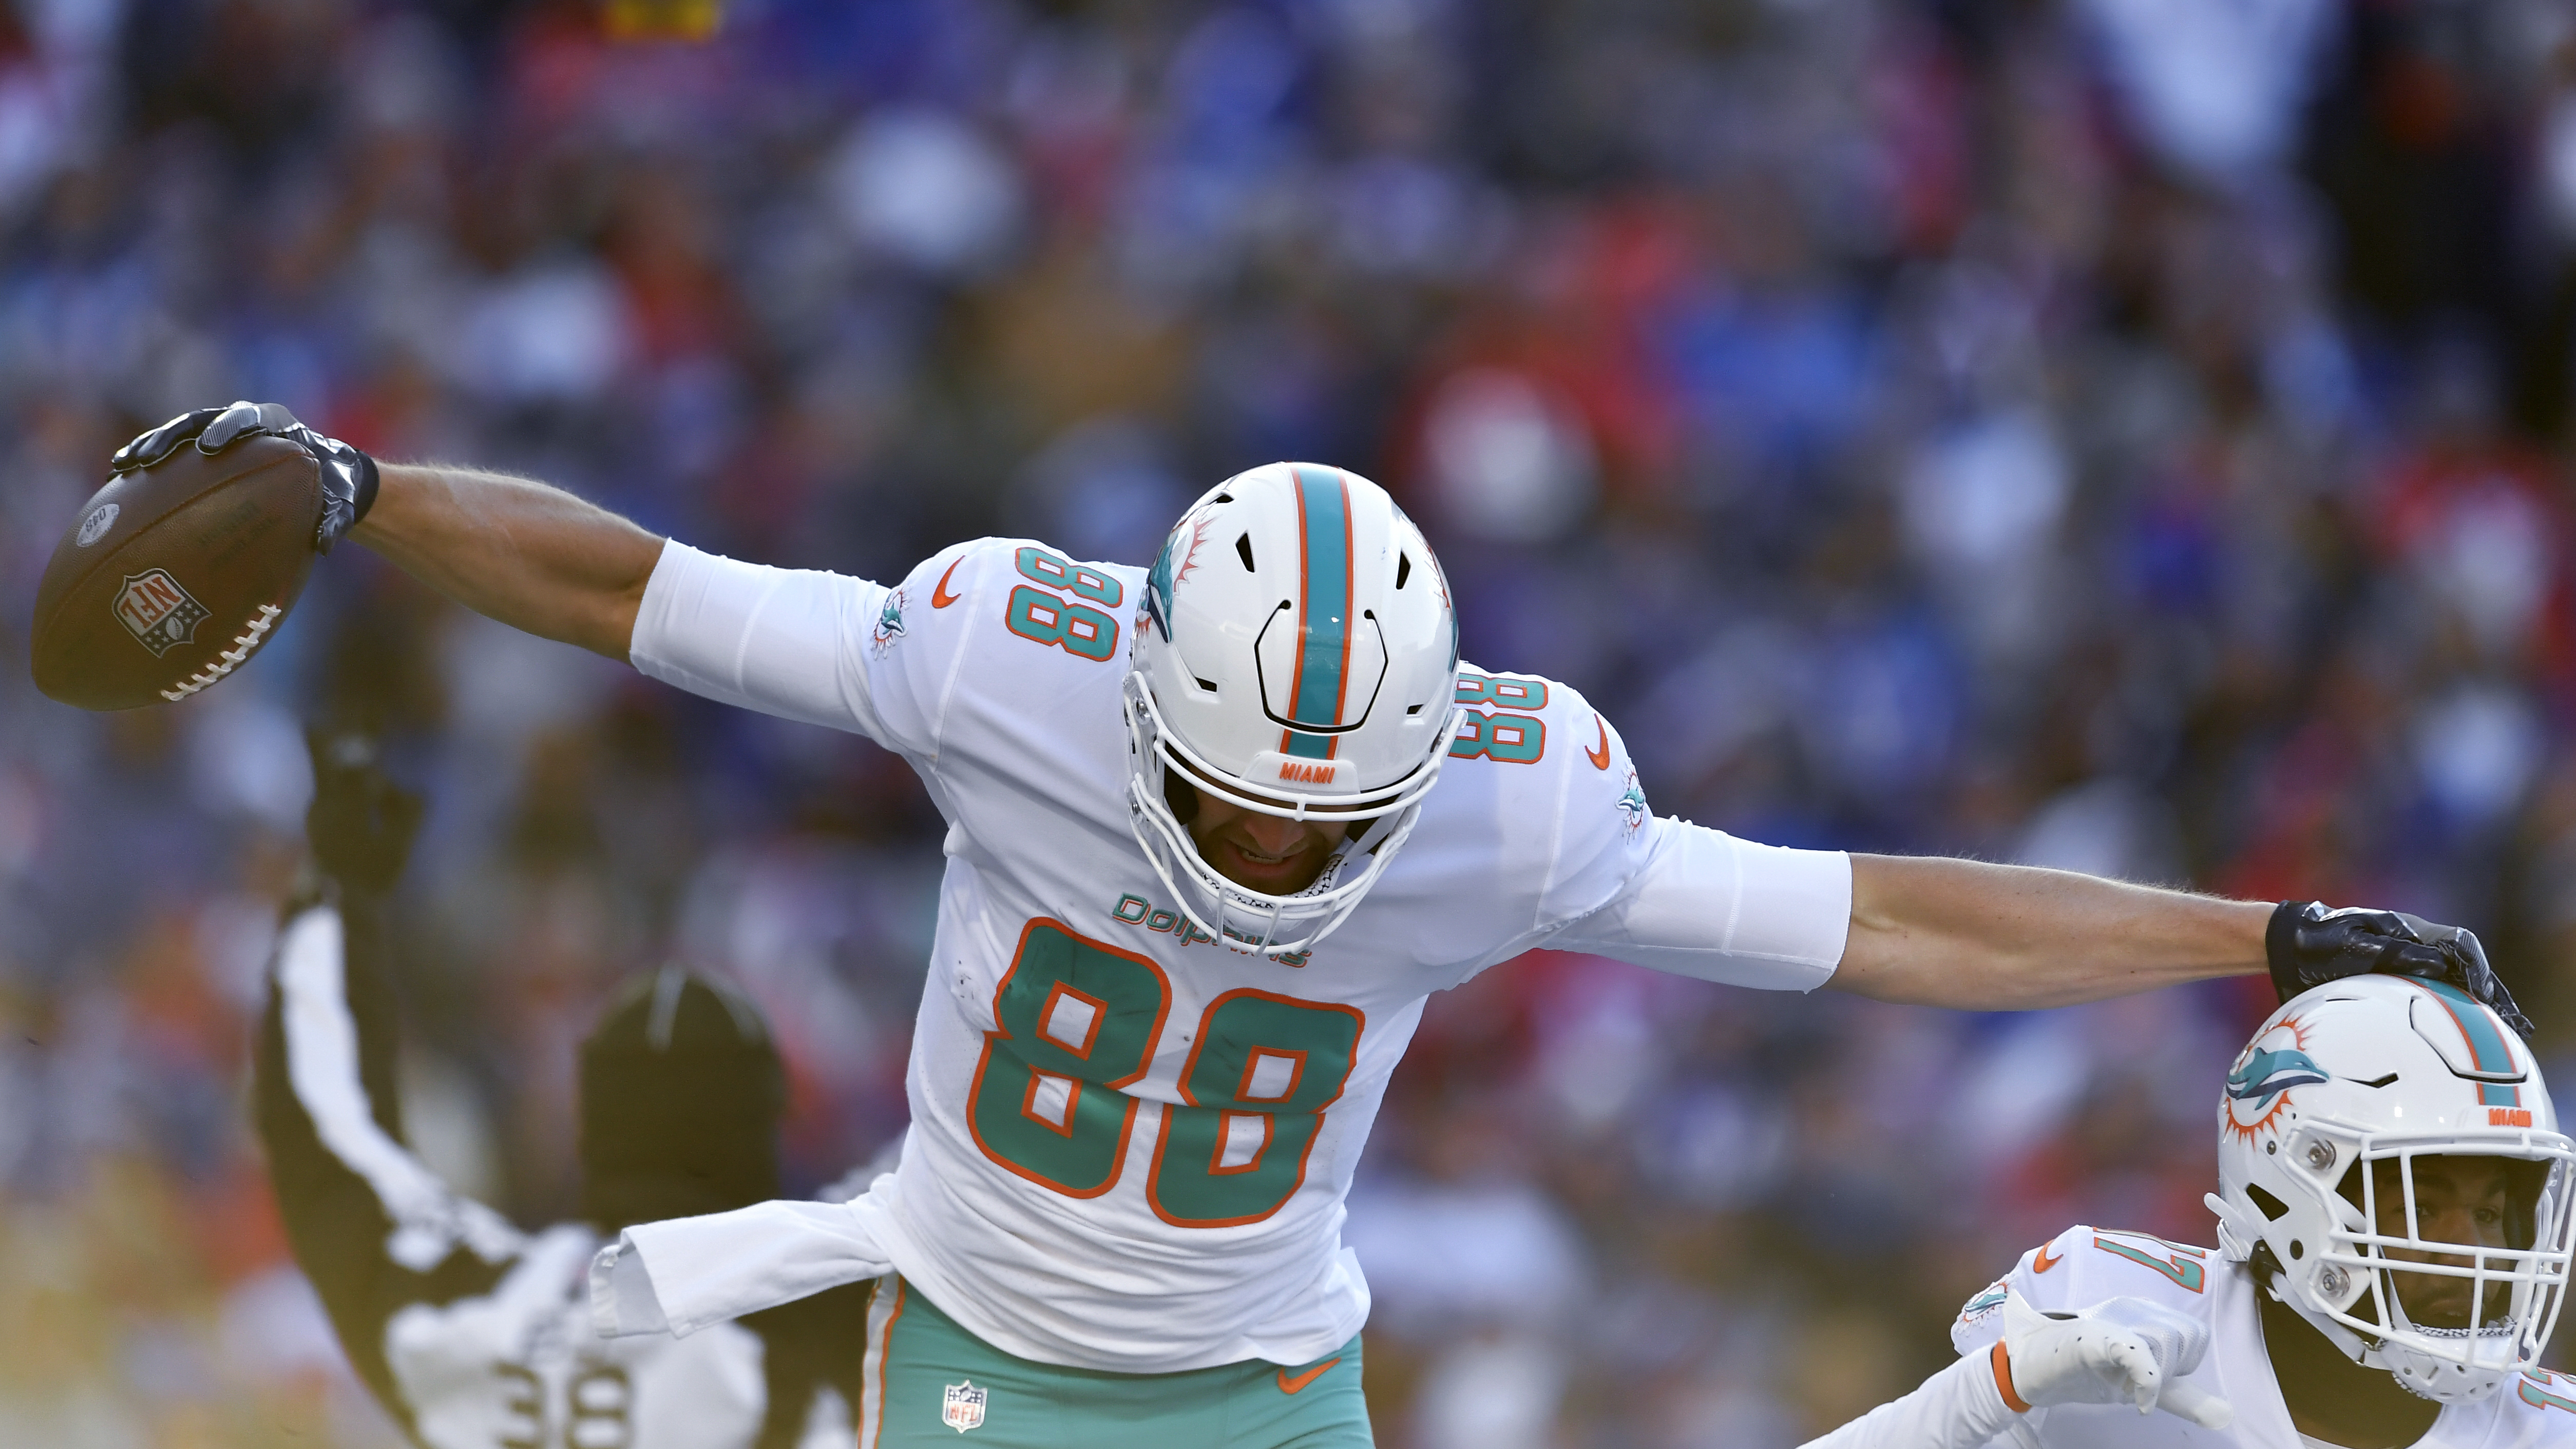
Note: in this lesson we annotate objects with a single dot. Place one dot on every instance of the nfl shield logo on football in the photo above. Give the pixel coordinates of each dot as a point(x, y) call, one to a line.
point(964, 1407)
point(157, 612)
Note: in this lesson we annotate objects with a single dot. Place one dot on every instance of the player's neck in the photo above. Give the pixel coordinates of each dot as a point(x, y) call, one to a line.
point(2332, 1398)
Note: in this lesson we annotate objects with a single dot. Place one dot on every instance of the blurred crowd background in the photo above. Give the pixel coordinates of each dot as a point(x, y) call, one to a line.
point(2130, 435)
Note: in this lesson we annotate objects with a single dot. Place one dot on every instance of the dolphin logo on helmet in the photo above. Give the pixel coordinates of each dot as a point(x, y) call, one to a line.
point(1166, 573)
point(2265, 1074)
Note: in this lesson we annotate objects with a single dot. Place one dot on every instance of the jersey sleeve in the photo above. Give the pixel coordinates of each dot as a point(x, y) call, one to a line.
point(2081, 1267)
point(804, 644)
point(371, 1226)
point(1964, 1405)
point(1674, 896)
point(1960, 1407)
point(2537, 1410)
point(1980, 1324)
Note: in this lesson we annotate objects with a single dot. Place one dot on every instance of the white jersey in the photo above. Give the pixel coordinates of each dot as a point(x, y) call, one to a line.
point(2084, 1266)
point(519, 1365)
point(1130, 1144)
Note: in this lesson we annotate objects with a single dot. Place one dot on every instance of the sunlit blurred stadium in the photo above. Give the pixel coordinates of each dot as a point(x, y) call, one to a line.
point(2130, 435)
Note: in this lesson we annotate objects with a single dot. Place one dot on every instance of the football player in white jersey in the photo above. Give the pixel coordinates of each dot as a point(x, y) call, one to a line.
point(1216, 830)
point(2373, 1122)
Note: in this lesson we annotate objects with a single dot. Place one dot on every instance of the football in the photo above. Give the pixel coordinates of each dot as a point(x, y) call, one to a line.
point(172, 576)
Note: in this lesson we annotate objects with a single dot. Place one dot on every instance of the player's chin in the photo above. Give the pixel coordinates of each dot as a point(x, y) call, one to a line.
point(1283, 875)
point(2444, 1308)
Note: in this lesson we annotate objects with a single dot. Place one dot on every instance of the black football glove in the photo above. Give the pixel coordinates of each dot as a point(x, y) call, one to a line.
point(348, 475)
point(361, 823)
point(2309, 945)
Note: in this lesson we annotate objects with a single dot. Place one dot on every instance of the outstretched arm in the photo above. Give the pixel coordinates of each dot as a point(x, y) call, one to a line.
point(534, 557)
point(1985, 937)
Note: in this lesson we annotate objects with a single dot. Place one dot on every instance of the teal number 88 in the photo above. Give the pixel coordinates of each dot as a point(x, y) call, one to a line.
point(1259, 1077)
point(1474, 688)
point(1037, 615)
point(1058, 572)
point(1514, 739)
point(1078, 1021)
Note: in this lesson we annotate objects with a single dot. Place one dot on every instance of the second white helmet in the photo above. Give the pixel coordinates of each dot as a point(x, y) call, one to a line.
point(2328, 1121)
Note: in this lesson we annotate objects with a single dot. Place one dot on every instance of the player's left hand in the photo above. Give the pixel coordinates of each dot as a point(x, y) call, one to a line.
point(2309, 945)
point(2119, 1351)
point(348, 475)
point(361, 823)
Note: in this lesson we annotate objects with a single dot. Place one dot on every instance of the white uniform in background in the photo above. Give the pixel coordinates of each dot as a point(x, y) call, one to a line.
point(2340, 1099)
point(2084, 1266)
point(1075, 1189)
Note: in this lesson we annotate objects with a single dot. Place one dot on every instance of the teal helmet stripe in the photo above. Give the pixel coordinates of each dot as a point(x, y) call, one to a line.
point(1323, 607)
point(2486, 1044)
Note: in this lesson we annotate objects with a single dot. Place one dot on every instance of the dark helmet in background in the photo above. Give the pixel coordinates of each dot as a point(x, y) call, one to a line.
point(681, 1095)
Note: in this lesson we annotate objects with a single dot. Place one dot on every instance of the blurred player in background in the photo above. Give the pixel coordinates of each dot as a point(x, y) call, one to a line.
point(471, 1333)
point(1216, 830)
point(2371, 1122)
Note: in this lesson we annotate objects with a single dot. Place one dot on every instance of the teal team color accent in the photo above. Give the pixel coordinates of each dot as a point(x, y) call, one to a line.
point(1073, 1143)
point(2268, 1074)
point(1028, 1405)
point(1058, 572)
point(1515, 739)
point(1078, 629)
point(2184, 1264)
point(1158, 584)
point(1308, 1049)
point(2535, 1391)
point(1525, 694)
point(1324, 617)
point(2486, 1044)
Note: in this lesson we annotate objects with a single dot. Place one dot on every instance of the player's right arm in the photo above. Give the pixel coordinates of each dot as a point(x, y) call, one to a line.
point(532, 556)
point(799, 643)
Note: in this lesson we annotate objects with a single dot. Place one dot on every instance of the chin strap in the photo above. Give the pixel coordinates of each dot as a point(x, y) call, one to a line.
point(2239, 1241)
point(1375, 836)
point(2237, 1238)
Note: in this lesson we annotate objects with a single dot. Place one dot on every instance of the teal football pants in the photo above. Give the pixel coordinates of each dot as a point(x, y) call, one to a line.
point(928, 1381)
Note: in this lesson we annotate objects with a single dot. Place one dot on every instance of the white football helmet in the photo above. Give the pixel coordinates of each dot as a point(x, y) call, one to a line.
point(2375, 1070)
point(1295, 654)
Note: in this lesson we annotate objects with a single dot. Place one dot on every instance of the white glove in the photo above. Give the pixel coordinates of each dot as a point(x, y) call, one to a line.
point(2119, 1351)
